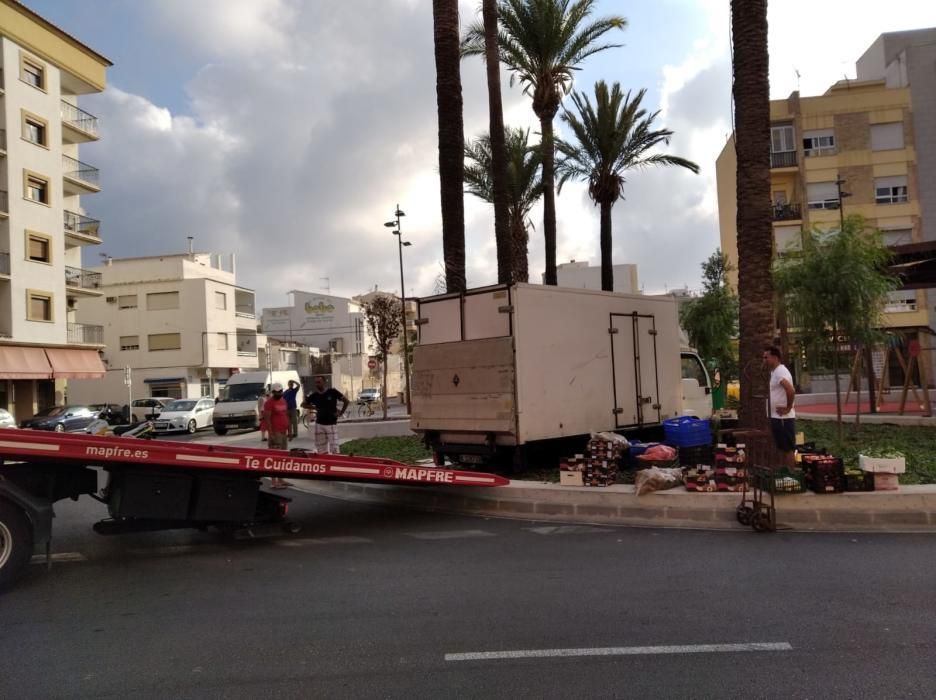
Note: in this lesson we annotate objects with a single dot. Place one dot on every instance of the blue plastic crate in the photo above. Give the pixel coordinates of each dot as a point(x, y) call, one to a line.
point(687, 431)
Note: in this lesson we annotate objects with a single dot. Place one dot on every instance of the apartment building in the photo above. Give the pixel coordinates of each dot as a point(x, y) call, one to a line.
point(578, 274)
point(324, 321)
point(180, 323)
point(43, 223)
point(873, 138)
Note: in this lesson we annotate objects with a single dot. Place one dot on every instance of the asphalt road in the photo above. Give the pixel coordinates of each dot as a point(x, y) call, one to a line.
point(367, 602)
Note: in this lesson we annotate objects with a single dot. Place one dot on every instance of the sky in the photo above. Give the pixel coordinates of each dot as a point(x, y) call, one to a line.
point(287, 131)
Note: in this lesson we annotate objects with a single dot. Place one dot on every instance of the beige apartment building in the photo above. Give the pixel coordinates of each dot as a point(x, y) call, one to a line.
point(43, 224)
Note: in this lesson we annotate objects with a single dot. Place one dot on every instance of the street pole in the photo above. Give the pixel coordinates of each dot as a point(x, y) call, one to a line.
point(399, 234)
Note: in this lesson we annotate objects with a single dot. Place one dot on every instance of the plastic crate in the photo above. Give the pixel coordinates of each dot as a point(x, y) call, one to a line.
point(856, 480)
point(687, 431)
point(778, 481)
point(691, 456)
point(824, 474)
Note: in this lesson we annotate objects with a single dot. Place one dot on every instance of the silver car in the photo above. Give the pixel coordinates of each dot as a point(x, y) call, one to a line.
point(6, 419)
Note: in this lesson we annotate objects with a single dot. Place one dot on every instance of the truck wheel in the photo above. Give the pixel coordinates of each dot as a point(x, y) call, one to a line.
point(16, 545)
point(220, 430)
point(192, 427)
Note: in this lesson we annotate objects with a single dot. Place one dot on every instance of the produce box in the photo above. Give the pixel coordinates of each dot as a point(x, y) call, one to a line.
point(569, 478)
point(730, 456)
point(885, 482)
point(700, 478)
point(730, 478)
point(883, 465)
point(857, 480)
point(824, 474)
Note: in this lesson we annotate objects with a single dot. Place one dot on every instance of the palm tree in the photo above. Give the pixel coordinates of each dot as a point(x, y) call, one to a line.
point(751, 92)
point(614, 135)
point(524, 186)
point(542, 42)
point(451, 141)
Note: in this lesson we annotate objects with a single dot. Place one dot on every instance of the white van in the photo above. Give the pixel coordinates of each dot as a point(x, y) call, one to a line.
point(238, 405)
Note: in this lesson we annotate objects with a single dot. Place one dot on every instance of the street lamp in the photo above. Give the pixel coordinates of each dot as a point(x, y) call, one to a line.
point(400, 245)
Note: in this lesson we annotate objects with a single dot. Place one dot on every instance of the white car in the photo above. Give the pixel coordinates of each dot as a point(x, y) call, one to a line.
point(6, 420)
point(189, 415)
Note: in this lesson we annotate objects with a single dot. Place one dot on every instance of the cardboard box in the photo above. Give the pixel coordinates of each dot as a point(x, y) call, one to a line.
point(571, 478)
point(885, 482)
point(882, 465)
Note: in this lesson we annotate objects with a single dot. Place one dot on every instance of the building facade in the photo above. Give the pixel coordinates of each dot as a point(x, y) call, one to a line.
point(43, 224)
point(581, 275)
point(323, 321)
point(180, 323)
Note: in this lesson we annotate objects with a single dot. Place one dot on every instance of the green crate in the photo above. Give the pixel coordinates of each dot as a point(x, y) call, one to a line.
point(778, 481)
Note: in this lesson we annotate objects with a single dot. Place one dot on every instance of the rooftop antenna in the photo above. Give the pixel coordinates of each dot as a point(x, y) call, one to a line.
point(191, 245)
point(798, 76)
point(327, 285)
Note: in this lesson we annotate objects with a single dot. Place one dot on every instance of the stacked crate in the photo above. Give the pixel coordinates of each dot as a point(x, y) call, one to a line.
point(730, 467)
point(700, 478)
point(571, 471)
point(605, 453)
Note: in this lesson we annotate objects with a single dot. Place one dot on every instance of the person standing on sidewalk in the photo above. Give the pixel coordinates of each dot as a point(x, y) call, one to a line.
point(782, 414)
point(325, 401)
point(276, 416)
point(261, 400)
point(293, 408)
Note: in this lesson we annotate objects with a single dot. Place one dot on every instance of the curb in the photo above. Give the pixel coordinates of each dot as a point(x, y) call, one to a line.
point(912, 509)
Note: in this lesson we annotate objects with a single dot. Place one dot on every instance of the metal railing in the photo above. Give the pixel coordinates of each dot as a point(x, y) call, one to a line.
point(85, 334)
point(4, 202)
point(78, 118)
point(3, 139)
point(77, 170)
point(783, 159)
point(79, 223)
point(4, 263)
point(83, 279)
point(786, 212)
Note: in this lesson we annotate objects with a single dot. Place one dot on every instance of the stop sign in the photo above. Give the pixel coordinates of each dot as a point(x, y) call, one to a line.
point(372, 363)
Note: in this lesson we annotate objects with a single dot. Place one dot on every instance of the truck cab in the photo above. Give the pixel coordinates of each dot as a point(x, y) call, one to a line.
point(238, 406)
point(696, 385)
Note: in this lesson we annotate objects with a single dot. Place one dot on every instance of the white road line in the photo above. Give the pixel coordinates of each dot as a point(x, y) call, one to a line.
point(59, 557)
point(475, 479)
point(620, 651)
point(304, 541)
point(449, 535)
point(566, 529)
point(355, 470)
point(212, 460)
point(38, 446)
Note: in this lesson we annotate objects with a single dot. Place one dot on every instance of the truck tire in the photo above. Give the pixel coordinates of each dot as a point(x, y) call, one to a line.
point(16, 545)
point(220, 430)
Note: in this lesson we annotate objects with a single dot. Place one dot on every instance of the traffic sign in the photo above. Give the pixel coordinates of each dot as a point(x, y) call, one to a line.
point(372, 363)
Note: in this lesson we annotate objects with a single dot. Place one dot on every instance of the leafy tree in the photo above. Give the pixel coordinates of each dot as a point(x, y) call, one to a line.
point(542, 42)
point(383, 317)
point(524, 187)
point(836, 287)
point(613, 136)
point(711, 320)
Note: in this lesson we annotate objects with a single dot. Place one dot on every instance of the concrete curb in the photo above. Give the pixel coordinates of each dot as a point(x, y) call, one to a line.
point(911, 509)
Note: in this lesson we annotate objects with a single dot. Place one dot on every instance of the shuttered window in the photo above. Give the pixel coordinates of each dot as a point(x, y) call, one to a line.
point(222, 341)
point(38, 306)
point(220, 300)
point(129, 342)
point(890, 190)
point(127, 301)
point(38, 248)
point(165, 341)
point(160, 301)
point(887, 137)
point(822, 195)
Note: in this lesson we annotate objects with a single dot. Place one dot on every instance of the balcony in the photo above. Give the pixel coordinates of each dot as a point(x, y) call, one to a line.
point(246, 344)
point(787, 212)
point(77, 279)
point(783, 159)
point(85, 334)
point(4, 204)
point(78, 126)
point(5, 264)
point(82, 228)
point(3, 144)
point(80, 178)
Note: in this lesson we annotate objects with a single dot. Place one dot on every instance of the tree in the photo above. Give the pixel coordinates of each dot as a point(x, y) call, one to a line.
point(542, 42)
point(836, 287)
point(451, 141)
point(383, 317)
point(524, 187)
point(613, 136)
point(711, 320)
point(751, 92)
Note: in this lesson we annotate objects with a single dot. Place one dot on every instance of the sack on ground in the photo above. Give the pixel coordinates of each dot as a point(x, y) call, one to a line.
point(657, 479)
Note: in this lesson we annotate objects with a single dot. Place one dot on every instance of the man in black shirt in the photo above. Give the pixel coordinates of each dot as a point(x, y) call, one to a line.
point(325, 401)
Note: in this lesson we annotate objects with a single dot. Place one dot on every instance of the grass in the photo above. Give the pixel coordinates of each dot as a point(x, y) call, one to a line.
point(918, 444)
point(405, 448)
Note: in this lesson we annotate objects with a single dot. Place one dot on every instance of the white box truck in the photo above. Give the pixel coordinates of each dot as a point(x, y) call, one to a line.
point(238, 405)
point(500, 371)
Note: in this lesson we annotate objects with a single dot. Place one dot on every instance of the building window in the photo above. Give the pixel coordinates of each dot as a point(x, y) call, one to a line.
point(890, 190)
point(820, 142)
point(220, 300)
point(222, 341)
point(35, 129)
point(901, 300)
point(206, 387)
point(897, 236)
point(822, 195)
point(289, 359)
point(38, 247)
point(38, 306)
point(164, 341)
point(36, 187)
point(127, 301)
point(781, 139)
point(32, 72)
point(887, 137)
point(788, 239)
point(160, 301)
point(129, 342)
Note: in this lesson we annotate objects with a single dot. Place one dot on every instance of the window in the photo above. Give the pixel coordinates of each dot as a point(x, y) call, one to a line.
point(890, 190)
point(692, 369)
point(779, 198)
point(127, 301)
point(898, 236)
point(165, 341)
point(220, 300)
point(222, 341)
point(38, 247)
point(159, 301)
point(820, 142)
point(289, 359)
point(781, 139)
point(788, 239)
point(822, 195)
point(887, 137)
point(901, 300)
point(129, 342)
point(35, 129)
point(35, 187)
point(32, 72)
point(38, 306)
point(205, 391)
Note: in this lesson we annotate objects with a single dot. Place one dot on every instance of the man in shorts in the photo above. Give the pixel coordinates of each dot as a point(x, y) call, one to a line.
point(325, 401)
point(782, 415)
point(276, 417)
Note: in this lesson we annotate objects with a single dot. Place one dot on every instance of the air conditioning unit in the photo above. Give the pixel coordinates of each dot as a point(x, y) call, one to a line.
point(111, 300)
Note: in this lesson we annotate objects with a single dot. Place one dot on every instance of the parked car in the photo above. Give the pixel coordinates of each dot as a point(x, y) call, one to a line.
point(368, 395)
point(185, 414)
point(62, 419)
point(6, 419)
point(111, 412)
point(149, 408)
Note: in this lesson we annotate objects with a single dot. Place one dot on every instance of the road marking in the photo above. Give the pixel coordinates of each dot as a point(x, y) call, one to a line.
point(302, 542)
point(475, 479)
point(39, 446)
point(620, 651)
point(355, 470)
point(566, 529)
point(449, 535)
point(212, 460)
point(59, 557)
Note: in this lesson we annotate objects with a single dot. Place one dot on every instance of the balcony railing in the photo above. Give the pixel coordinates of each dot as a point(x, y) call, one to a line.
point(85, 334)
point(81, 224)
point(783, 159)
point(4, 263)
point(2, 139)
point(787, 212)
point(78, 118)
point(83, 279)
point(245, 311)
point(77, 170)
point(4, 202)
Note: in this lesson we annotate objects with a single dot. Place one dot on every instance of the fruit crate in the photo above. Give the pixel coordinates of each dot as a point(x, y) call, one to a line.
point(687, 431)
point(857, 480)
point(824, 474)
point(778, 481)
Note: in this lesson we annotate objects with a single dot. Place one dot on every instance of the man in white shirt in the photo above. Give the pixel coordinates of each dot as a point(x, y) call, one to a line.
point(782, 415)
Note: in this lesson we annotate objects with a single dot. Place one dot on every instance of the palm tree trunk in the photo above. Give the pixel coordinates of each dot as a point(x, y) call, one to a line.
point(498, 146)
point(755, 246)
point(607, 269)
point(549, 198)
point(451, 141)
point(518, 237)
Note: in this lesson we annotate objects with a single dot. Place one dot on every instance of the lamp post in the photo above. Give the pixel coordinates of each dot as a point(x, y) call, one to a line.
point(400, 245)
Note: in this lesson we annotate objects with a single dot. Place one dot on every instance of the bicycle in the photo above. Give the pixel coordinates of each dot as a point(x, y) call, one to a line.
point(365, 409)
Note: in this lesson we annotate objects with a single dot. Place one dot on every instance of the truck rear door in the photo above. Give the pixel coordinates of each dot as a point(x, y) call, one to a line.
point(634, 369)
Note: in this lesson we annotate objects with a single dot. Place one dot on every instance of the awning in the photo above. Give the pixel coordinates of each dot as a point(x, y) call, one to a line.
point(17, 362)
point(165, 380)
point(75, 364)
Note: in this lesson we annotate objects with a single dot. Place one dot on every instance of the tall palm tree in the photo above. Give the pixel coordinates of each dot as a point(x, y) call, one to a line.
point(451, 140)
point(542, 42)
point(505, 267)
point(613, 136)
point(751, 92)
point(524, 186)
